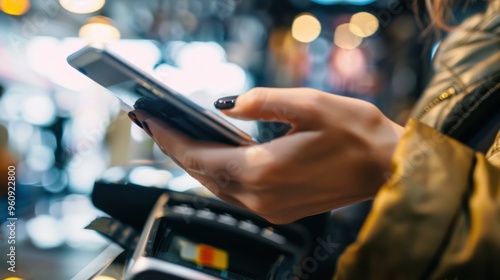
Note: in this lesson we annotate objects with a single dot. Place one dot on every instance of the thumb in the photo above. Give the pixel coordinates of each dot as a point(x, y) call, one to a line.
point(289, 105)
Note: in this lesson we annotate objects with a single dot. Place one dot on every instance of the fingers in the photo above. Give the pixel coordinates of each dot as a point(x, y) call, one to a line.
point(219, 161)
point(165, 134)
point(290, 105)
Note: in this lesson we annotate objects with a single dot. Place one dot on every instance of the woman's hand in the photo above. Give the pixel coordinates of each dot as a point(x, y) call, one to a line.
point(337, 153)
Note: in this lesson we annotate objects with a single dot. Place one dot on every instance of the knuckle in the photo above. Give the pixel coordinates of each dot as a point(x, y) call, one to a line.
point(258, 97)
point(258, 92)
point(314, 100)
point(372, 114)
point(317, 98)
point(311, 103)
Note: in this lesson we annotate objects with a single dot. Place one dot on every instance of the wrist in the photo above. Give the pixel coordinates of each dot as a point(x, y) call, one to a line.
point(384, 138)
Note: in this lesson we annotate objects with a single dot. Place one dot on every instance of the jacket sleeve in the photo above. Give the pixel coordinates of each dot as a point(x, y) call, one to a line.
point(438, 217)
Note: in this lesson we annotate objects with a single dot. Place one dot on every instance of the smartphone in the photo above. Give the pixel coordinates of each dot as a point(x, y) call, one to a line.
point(139, 90)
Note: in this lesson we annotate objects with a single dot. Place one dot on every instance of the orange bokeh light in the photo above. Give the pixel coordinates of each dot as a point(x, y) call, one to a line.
point(15, 7)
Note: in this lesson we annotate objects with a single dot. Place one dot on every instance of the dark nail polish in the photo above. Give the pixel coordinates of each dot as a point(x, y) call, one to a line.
point(133, 117)
point(225, 102)
point(145, 126)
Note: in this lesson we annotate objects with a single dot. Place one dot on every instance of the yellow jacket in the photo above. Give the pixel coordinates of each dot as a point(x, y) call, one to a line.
point(437, 218)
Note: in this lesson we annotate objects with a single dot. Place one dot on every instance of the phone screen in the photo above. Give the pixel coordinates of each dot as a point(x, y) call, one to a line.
point(138, 90)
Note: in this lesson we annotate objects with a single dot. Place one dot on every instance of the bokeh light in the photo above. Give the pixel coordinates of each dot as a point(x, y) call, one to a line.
point(202, 72)
point(306, 28)
point(15, 7)
point(150, 176)
point(84, 169)
point(319, 50)
point(99, 29)
point(114, 174)
point(349, 63)
point(128, 49)
point(39, 110)
point(199, 54)
point(183, 183)
point(40, 158)
point(344, 38)
point(363, 24)
point(54, 180)
point(46, 232)
point(82, 6)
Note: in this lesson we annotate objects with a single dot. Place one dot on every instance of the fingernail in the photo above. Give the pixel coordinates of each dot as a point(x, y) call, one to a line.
point(225, 102)
point(133, 117)
point(145, 126)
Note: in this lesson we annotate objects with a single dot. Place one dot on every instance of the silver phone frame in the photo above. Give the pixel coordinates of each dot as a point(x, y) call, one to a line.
point(89, 54)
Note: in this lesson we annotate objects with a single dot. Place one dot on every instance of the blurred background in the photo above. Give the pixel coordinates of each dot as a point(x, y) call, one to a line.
point(62, 131)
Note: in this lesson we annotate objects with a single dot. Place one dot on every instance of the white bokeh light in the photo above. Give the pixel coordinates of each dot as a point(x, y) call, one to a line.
point(39, 110)
point(149, 176)
point(46, 232)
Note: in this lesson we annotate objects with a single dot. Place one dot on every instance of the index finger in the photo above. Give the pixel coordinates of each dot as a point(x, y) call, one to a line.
point(290, 105)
